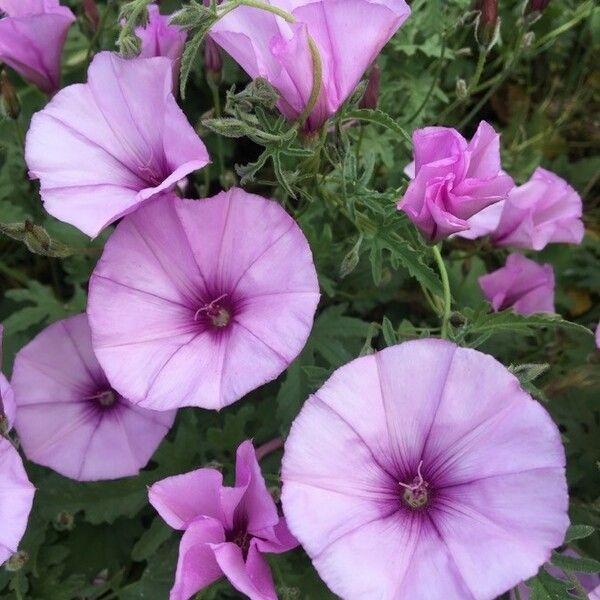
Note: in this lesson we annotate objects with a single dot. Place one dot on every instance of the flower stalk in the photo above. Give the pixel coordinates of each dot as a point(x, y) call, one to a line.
point(446, 287)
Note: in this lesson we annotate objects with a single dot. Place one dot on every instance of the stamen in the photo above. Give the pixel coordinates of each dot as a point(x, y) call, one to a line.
point(218, 314)
point(416, 495)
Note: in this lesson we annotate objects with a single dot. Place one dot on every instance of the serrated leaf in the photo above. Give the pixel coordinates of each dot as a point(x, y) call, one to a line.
point(389, 333)
point(579, 564)
point(578, 532)
point(191, 52)
point(377, 117)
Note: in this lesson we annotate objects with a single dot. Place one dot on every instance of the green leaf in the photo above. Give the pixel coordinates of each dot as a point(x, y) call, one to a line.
point(580, 564)
point(389, 333)
point(578, 532)
point(378, 117)
point(192, 50)
point(152, 539)
point(545, 587)
point(484, 324)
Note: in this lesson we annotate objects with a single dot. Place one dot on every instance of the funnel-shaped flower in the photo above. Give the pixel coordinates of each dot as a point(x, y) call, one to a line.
point(159, 38)
point(102, 148)
point(415, 470)
point(32, 36)
point(7, 398)
point(227, 529)
point(68, 416)
point(522, 284)
point(196, 303)
point(453, 179)
point(267, 46)
point(16, 499)
point(544, 210)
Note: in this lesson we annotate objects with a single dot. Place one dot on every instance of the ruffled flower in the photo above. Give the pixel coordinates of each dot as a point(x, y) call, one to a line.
point(267, 46)
point(196, 303)
point(70, 419)
point(226, 529)
point(32, 36)
point(522, 284)
point(102, 148)
point(16, 499)
point(544, 210)
point(425, 471)
point(453, 179)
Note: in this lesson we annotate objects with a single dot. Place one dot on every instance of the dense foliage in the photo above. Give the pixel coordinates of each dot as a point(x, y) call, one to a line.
point(538, 85)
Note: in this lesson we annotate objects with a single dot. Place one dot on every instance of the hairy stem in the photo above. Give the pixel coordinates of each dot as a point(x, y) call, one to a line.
point(446, 286)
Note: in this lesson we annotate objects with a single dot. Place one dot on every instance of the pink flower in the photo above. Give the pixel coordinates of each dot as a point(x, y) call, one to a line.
point(598, 336)
point(16, 499)
point(159, 38)
point(453, 179)
point(522, 285)
point(588, 582)
point(196, 303)
point(7, 398)
point(414, 471)
point(226, 529)
point(68, 416)
point(267, 46)
point(32, 36)
point(102, 148)
point(546, 209)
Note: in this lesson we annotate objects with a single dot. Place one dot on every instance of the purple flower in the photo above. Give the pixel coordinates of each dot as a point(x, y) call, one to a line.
point(102, 148)
point(522, 285)
point(226, 529)
point(32, 36)
point(16, 499)
point(267, 46)
point(414, 471)
point(588, 582)
point(70, 419)
point(453, 179)
point(196, 303)
point(159, 38)
point(598, 336)
point(7, 398)
point(546, 209)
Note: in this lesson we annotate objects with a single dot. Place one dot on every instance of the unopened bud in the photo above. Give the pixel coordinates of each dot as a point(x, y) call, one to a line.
point(213, 60)
point(370, 98)
point(17, 561)
point(487, 25)
point(537, 5)
point(90, 10)
point(64, 521)
point(9, 101)
point(461, 89)
point(528, 40)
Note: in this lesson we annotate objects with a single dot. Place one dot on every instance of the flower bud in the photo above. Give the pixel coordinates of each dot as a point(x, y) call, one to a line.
point(9, 101)
point(90, 10)
point(64, 521)
point(537, 5)
point(487, 24)
point(17, 561)
point(213, 60)
point(370, 98)
point(461, 88)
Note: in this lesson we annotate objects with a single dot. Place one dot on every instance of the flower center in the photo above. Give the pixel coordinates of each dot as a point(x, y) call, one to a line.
point(105, 398)
point(416, 494)
point(215, 312)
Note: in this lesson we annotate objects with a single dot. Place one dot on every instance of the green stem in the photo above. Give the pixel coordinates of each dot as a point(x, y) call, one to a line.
point(214, 88)
point(446, 286)
point(517, 593)
point(478, 71)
